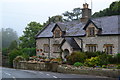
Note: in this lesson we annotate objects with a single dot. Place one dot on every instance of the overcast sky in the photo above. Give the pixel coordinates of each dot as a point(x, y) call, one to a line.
point(17, 14)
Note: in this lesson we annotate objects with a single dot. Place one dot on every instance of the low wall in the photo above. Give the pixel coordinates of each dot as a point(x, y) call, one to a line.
point(115, 73)
point(42, 66)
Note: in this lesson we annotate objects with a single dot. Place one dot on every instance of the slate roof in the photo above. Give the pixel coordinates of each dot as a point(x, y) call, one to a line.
point(109, 25)
point(71, 42)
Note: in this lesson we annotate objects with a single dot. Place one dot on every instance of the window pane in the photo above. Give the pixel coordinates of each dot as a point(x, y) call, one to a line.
point(56, 48)
point(46, 48)
point(91, 31)
point(108, 48)
point(91, 47)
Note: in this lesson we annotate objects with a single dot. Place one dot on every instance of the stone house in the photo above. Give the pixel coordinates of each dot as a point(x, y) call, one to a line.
point(87, 34)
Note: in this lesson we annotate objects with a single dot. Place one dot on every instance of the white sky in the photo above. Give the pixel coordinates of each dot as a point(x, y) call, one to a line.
point(17, 14)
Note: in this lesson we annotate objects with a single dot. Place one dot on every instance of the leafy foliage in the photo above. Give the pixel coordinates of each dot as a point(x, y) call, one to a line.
point(28, 39)
point(13, 54)
point(100, 60)
point(13, 45)
point(93, 54)
point(74, 15)
point(77, 64)
point(105, 59)
point(115, 59)
point(25, 56)
point(76, 57)
point(104, 66)
point(118, 66)
point(114, 9)
point(18, 58)
point(29, 51)
point(93, 61)
point(5, 51)
point(8, 35)
point(54, 19)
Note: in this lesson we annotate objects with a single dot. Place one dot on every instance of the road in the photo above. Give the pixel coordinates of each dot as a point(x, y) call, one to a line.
point(18, 74)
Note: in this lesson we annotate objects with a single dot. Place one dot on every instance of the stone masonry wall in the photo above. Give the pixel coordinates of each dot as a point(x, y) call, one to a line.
point(42, 66)
point(114, 73)
point(40, 45)
point(100, 41)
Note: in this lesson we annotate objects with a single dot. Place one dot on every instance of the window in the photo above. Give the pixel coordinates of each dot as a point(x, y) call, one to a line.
point(56, 48)
point(46, 48)
point(57, 33)
point(91, 31)
point(91, 47)
point(108, 48)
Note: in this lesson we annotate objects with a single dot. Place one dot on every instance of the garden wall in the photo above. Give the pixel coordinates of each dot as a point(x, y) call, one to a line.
point(42, 66)
point(115, 73)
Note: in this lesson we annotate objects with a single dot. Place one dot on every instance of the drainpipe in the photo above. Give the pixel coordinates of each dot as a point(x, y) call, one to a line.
point(49, 48)
point(82, 44)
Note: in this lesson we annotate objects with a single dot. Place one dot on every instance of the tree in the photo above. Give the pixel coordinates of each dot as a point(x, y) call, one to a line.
point(28, 39)
point(74, 15)
point(8, 35)
point(54, 19)
point(13, 45)
point(114, 9)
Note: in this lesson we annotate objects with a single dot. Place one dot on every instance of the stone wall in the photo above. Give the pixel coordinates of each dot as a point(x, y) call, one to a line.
point(40, 66)
point(100, 41)
point(40, 45)
point(114, 73)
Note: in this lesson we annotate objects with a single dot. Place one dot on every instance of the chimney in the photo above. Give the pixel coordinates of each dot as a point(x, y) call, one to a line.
point(86, 13)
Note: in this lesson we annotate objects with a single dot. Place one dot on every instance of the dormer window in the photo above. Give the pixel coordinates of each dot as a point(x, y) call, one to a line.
point(91, 32)
point(57, 33)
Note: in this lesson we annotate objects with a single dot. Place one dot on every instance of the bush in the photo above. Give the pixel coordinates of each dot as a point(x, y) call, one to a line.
point(100, 60)
point(29, 51)
point(118, 66)
point(18, 58)
point(13, 54)
point(117, 58)
point(104, 66)
point(77, 64)
point(93, 61)
point(105, 59)
point(76, 57)
point(25, 56)
point(93, 54)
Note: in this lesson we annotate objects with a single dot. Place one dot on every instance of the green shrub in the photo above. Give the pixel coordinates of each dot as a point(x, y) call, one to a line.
point(100, 60)
point(18, 58)
point(13, 54)
point(105, 59)
point(93, 54)
point(25, 56)
point(118, 66)
point(77, 64)
point(104, 66)
point(76, 57)
point(117, 58)
point(29, 51)
point(93, 61)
